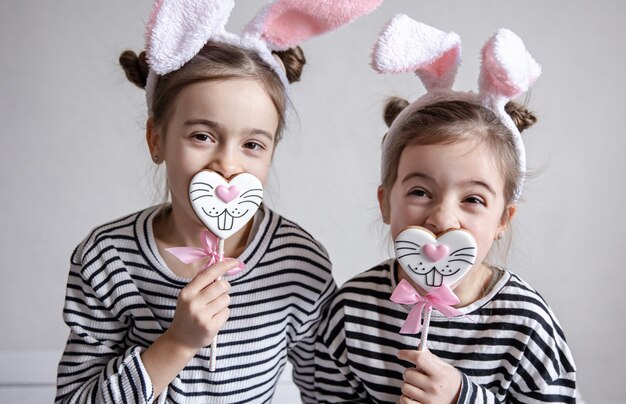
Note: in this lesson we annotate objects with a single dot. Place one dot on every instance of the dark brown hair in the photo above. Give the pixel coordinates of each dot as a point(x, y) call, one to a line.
point(216, 61)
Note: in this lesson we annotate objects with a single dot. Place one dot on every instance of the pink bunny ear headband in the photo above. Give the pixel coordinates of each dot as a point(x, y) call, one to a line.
point(507, 70)
point(178, 29)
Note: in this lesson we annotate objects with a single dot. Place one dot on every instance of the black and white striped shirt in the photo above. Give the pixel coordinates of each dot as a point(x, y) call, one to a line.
point(121, 296)
point(508, 346)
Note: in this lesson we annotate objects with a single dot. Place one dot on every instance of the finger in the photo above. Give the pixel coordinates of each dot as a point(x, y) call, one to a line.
point(429, 364)
point(209, 275)
point(414, 377)
point(216, 305)
point(221, 317)
point(413, 393)
point(407, 400)
point(213, 291)
point(424, 361)
point(409, 355)
point(217, 321)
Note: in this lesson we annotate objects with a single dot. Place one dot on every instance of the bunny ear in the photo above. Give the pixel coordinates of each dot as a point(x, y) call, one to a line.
point(405, 45)
point(508, 70)
point(287, 23)
point(178, 29)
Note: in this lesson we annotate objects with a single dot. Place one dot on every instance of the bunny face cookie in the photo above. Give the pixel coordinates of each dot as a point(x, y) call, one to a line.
point(225, 206)
point(432, 261)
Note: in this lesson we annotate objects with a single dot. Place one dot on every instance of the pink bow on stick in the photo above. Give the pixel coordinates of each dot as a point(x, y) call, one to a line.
point(209, 250)
point(441, 298)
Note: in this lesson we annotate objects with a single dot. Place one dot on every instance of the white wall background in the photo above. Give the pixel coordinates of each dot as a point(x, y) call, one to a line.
point(73, 155)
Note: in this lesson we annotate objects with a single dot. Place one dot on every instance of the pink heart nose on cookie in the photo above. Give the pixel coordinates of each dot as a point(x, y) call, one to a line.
point(435, 252)
point(227, 194)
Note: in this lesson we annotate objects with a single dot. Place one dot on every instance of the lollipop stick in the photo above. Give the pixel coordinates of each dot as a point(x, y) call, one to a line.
point(425, 327)
point(220, 254)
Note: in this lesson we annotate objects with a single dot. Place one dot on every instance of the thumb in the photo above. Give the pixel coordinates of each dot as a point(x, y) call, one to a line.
point(409, 355)
point(422, 360)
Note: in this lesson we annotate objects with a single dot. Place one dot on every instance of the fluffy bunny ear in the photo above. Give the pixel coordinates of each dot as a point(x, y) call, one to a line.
point(178, 29)
point(405, 45)
point(508, 70)
point(287, 23)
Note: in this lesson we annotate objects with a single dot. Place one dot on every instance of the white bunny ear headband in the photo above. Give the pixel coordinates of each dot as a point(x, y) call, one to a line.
point(178, 29)
point(507, 70)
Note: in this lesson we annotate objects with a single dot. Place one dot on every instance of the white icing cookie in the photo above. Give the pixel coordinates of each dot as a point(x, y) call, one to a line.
point(225, 206)
point(432, 261)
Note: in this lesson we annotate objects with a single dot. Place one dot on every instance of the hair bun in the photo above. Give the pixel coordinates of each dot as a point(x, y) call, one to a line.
point(522, 117)
point(393, 107)
point(135, 66)
point(293, 59)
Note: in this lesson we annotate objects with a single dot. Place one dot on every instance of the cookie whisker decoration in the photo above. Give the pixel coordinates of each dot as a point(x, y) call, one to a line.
point(434, 263)
point(224, 206)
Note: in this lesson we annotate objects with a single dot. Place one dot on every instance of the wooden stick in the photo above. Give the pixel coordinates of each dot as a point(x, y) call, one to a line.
point(213, 358)
point(425, 327)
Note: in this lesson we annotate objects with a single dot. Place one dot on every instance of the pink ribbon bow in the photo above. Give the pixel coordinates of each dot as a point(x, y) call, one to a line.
point(209, 250)
point(441, 298)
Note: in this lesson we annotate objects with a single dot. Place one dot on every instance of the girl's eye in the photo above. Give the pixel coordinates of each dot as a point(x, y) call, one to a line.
point(253, 146)
point(419, 192)
point(474, 200)
point(202, 136)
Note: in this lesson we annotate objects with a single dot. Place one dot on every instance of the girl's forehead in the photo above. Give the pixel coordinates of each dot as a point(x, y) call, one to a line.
point(466, 149)
point(241, 102)
point(461, 160)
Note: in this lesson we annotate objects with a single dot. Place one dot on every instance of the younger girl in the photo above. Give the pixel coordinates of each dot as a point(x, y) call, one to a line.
point(451, 160)
point(141, 321)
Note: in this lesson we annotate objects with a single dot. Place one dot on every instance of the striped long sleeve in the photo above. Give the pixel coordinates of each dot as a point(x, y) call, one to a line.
point(121, 297)
point(102, 360)
point(508, 346)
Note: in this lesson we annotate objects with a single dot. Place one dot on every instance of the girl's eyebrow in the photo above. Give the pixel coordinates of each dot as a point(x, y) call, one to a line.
point(417, 174)
point(204, 122)
point(256, 131)
point(480, 184)
point(218, 127)
point(426, 177)
point(201, 121)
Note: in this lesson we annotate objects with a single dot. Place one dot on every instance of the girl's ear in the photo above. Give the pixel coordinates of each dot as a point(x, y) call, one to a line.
point(507, 216)
point(383, 203)
point(155, 142)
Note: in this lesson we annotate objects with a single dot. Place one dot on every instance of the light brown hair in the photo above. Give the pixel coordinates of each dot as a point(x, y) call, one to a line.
point(449, 122)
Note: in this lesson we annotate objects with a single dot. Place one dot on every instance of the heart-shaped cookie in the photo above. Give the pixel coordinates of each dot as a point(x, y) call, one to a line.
point(225, 206)
point(432, 261)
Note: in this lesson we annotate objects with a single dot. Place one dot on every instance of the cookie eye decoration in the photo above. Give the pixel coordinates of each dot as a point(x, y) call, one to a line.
point(224, 206)
point(435, 263)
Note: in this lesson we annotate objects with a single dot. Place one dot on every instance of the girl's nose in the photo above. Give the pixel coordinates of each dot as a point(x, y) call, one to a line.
point(441, 218)
point(225, 163)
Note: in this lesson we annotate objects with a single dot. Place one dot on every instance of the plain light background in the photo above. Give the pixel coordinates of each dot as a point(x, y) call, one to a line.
point(73, 154)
